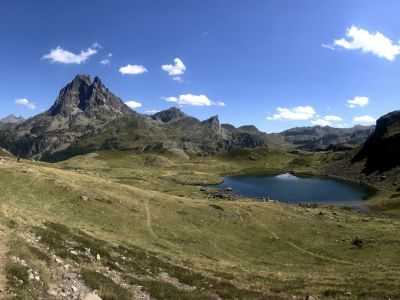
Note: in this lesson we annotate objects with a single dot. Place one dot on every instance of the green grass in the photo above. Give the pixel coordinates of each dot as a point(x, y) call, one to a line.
point(246, 250)
point(17, 274)
point(107, 289)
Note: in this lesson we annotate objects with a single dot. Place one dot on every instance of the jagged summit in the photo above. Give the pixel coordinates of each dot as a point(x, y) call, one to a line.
point(169, 115)
point(83, 106)
point(213, 121)
point(82, 95)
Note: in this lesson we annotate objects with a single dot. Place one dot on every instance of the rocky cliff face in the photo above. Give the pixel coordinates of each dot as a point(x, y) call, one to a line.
point(82, 106)
point(381, 150)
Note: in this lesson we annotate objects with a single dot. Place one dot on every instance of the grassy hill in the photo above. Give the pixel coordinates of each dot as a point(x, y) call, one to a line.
point(5, 153)
point(153, 232)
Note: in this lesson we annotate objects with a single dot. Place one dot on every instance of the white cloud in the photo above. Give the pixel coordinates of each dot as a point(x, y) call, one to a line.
point(326, 121)
point(358, 101)
point(177, 78)
point(194, 100)
point(328, 46)
point(222, 104)
point(133, 104)
point(375, 43)
point(364, 119)
point(132, 69)
point(25, 102)
point(106, 61)
point(96, 45)
point(151, 111)
point(171, 99)
point(333, 118)
point(66, 57)
point(175, 70)
point(321, 122)
point(294, 114)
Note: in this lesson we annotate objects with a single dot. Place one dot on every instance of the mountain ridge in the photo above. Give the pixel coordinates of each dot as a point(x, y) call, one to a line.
point(83, 114)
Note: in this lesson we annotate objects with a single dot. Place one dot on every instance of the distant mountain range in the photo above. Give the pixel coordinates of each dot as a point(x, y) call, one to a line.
point(12, 119)
point(87, 117)
point(324, 138)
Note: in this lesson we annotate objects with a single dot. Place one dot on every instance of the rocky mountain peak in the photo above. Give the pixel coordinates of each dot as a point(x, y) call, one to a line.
point(213, 121)
point(12, 119)
point(82, 95)
point(169, 115)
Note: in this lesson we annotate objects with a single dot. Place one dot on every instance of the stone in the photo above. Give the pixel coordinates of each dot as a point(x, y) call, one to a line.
point(58, 260)
point(90, 296)
point(52, 292)
point(98, 257)
point(84, 198)
point(358, 242)
point(309, 297)
point(70, 276)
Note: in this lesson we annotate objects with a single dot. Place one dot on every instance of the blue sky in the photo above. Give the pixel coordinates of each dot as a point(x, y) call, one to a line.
point(274, 64)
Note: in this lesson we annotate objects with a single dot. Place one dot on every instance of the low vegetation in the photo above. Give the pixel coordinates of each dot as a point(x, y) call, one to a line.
point(128, 228)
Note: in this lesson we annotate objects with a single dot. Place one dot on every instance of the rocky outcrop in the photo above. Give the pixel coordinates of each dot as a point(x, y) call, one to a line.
point(381, 150)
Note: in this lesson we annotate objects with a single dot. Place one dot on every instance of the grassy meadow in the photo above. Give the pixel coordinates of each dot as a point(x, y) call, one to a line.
point(152, 232)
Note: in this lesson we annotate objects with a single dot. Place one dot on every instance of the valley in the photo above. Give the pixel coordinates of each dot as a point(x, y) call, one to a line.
point(105, 202)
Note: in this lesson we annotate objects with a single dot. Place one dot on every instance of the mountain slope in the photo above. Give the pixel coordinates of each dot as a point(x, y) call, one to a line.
point(87, 117)
point(170, 130)
point(381, 150)
point(375, 162)
point(320, 138)
point(82, 106)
